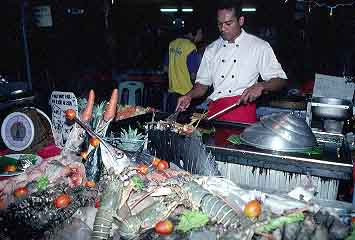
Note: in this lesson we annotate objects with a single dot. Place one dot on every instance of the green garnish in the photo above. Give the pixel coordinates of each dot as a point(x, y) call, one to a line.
point(278, 222)
point(42, 183)
point(137, 182)
point(235, 139)
point(314, 151)
point(192, 219)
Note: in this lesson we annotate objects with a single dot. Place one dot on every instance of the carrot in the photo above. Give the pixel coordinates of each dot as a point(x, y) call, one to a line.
point(110, 109)
point(86, 114)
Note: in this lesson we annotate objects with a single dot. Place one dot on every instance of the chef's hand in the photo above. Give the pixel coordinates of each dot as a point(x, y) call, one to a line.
point(251, 93)
point(183, 103)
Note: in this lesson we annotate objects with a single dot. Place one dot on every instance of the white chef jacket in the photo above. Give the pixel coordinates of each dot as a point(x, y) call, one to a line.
point(233, 67)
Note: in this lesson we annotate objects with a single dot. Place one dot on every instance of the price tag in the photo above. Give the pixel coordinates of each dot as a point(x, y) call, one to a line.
point(60, 102)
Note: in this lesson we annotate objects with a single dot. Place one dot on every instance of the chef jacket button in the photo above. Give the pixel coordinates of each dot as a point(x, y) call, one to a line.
point(232, 76)
point(222, 76)
point(219, 92)
point(224, 45)
point(234, 60)
point(230, 91)
point(237, 45)
point(222, 60)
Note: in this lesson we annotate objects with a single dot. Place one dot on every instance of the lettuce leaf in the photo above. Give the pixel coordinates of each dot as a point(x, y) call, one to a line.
point(235, 139)
point(192, 219)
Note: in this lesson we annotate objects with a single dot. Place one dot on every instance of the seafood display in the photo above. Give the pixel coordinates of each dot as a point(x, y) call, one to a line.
point(95, 190)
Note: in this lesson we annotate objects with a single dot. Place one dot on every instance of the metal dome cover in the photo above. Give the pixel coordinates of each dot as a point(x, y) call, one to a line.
point(280, 132)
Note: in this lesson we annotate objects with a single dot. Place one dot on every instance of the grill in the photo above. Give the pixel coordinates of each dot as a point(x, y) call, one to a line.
point(254, 168)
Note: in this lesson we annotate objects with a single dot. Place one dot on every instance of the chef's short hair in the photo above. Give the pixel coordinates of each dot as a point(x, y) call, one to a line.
point(236, 5)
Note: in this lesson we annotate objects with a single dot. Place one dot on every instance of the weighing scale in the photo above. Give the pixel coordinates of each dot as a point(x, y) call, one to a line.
point(26, 128)
point(17, 131)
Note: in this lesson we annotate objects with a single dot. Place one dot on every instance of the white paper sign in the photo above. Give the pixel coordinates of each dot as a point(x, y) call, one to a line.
point(60, 102)
point(42, 16)
point(333, 87)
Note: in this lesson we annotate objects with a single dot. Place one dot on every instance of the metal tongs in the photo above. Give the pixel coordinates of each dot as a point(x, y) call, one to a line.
point(173, 117)
point(224, 110)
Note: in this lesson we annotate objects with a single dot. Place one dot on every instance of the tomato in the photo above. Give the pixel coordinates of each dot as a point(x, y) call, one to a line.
point(21, 192)
point(2, 204)
point(252, 209)
point(62, 201)
point(94, 141)
point(164, 227)
point(90, 184)
point(142, 169)
point(10, 168)
point(97, 203)
point(162, 165)
point(84, 154)
point(155, 162)
point(70, 114)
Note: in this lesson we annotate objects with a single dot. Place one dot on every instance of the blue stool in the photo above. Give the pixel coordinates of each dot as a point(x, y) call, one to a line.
point(130, 93)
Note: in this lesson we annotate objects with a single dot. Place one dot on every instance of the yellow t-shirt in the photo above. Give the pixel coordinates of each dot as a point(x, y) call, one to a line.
point(179, 77)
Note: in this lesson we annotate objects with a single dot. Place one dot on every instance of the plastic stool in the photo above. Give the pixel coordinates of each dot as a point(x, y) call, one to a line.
point(135, 93)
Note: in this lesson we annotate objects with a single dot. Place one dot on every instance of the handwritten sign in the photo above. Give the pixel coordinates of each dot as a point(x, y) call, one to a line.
point(333, 87)
point(60, 102)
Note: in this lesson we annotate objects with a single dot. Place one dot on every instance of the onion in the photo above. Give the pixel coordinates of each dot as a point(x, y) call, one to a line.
point(252, 209)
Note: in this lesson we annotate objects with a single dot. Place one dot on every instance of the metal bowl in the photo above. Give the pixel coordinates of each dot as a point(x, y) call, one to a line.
point(331, 108)
point(280, 132)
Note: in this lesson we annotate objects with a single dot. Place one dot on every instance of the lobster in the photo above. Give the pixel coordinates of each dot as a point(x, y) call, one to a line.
point(110, 201)
point(216, 209)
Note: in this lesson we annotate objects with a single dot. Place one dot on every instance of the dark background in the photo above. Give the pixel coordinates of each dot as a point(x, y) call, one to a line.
point(79, 51)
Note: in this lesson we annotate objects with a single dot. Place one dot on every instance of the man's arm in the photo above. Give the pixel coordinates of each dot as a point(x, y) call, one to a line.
point(199, 90)
point(252, 93)
point(274, 84)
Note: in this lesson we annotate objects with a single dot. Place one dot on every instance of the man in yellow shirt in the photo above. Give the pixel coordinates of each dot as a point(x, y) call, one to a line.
point(182, 64)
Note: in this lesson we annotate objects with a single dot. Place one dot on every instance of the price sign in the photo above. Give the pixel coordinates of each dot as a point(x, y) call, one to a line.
point(60, 102)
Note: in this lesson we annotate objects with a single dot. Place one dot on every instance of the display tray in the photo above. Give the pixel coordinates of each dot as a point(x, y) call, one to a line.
point(332, 161)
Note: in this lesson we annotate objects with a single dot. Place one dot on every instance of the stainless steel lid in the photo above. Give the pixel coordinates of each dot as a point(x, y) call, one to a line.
point(280, 132)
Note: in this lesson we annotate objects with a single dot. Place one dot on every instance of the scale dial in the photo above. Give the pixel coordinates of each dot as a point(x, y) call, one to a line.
point(17, 131)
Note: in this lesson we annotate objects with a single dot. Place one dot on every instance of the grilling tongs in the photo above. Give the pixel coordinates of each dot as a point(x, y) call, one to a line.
point(224, 110)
